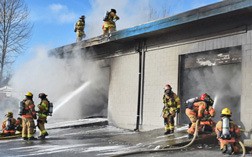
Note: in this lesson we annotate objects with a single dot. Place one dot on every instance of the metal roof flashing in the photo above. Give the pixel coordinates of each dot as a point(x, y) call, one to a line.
point(183, 18)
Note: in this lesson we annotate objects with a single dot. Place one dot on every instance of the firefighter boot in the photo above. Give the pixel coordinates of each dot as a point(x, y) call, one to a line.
point(43, 136)
point(167, 132)
point(32, 138)
point(190, 136)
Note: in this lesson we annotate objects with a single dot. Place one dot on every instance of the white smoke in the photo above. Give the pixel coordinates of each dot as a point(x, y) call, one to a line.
point(135, 12)
point(58, 77)
point(131, 13)
point(221, 82)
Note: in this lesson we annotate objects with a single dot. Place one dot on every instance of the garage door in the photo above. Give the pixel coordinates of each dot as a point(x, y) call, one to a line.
point(216, 72)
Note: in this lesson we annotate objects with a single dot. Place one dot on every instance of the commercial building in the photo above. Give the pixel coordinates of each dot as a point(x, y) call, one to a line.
point(208, 49)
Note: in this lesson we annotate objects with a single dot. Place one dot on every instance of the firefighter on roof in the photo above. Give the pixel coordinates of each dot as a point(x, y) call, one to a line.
point(109, 24)
point(79, 29)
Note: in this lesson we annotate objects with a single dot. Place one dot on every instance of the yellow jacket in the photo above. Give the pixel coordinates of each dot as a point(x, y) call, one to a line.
point(43, 108)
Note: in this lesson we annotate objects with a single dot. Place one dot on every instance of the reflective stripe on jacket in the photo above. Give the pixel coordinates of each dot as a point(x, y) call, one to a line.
point(29, 109)
point(172, 101)
point(43, 108)
point(79, 26)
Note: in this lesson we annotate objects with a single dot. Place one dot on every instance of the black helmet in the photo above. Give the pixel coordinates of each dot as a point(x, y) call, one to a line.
point(42, 95)
point(82, 17)
point(113, 10)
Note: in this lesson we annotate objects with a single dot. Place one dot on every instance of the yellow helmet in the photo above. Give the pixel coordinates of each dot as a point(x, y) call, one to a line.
point(226, 111)
point(9, 114)
point(29, 94)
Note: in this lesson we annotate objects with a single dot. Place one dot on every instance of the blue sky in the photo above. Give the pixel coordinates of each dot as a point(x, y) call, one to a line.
point(53, 20)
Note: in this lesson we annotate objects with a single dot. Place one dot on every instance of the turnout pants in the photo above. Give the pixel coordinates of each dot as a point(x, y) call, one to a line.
point(28, 127)
point(41, 126)
point(169, 115)
point(193, 118)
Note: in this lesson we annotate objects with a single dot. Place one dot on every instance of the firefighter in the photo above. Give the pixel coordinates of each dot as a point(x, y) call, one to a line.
point(42, 115)
point(171, 107)
point(200, 108)
point(9, 125)
point(228, 133)
point(19, 125)
point(79, 29)
point(210, 111)
point(109, 24)
point(206, 123)
point(28, 113)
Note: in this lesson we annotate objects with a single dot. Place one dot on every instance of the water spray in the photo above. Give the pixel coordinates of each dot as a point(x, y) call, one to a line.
point(61, 103)
point(215, 100)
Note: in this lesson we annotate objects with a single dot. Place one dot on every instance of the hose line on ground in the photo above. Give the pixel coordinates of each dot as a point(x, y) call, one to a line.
point(243, 148)
point(163, 150)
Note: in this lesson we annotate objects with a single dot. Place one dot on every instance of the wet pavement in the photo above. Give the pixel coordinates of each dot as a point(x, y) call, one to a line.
point(100, 139)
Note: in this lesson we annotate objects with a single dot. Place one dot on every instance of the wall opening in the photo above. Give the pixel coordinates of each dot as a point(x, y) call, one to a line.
point(216, 72)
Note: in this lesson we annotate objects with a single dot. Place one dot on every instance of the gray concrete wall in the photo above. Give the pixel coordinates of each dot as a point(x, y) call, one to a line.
point(246, 99)
point(161, 67)
point(123, 91)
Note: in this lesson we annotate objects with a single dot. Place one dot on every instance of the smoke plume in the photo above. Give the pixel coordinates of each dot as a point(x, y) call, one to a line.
point(60, 77)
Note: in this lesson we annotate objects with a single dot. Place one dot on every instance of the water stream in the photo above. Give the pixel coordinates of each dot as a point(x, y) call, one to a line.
point(63, 101)
point(215, 102)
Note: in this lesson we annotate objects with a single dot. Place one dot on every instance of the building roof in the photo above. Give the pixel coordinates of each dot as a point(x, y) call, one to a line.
point(165, 24)
point(5, 89)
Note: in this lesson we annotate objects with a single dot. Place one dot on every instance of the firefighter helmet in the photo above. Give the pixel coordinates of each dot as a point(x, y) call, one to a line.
point(226, 111)
point(204, 96)
point(82, 17)
point(42, 95)
point(113, 10)
point(9, 115)
point(29, 94)
point(167, 86)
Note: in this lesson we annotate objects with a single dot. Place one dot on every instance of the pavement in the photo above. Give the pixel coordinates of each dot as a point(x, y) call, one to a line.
point(94, 137)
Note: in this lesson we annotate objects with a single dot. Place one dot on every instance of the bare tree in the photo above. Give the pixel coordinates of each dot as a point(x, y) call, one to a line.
point(14, 32)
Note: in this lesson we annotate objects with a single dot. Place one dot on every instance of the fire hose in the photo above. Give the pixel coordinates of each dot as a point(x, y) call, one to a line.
point(175, 148)
point(163, 150)
point(243, 148)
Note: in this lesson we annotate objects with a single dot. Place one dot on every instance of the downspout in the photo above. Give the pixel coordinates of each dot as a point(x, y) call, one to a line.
point(144, 49)
point(139, 87)
point(140, 49)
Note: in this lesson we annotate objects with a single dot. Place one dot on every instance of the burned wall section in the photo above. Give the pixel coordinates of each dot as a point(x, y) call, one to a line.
point(216, 72)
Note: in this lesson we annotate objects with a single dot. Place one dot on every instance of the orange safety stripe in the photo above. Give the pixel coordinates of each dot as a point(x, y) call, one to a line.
point(232, 140)
point(27, 116)
point(8, 131)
